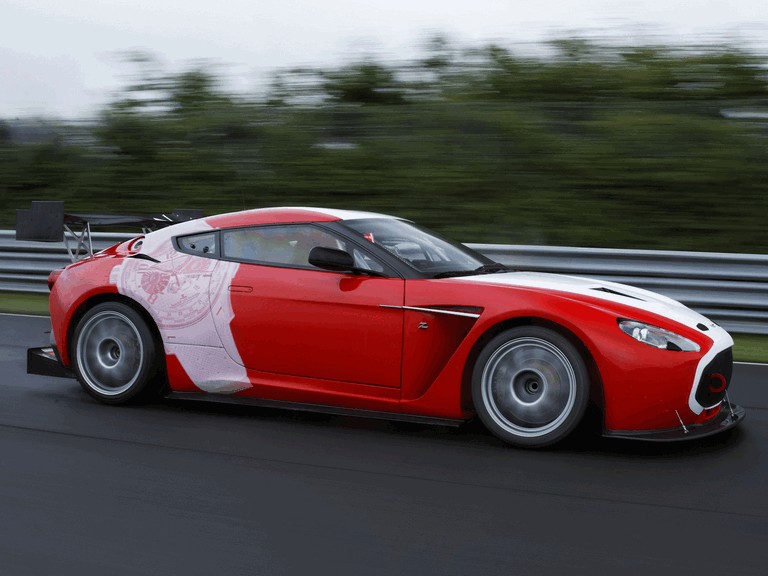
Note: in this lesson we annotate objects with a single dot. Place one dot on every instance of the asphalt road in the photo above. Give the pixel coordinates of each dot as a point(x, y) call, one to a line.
point(185, 488)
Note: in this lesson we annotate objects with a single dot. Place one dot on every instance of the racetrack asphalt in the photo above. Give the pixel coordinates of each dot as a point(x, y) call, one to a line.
point(188, 488)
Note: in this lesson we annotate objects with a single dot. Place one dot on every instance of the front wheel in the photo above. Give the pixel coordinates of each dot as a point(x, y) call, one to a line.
point(530, 386)
point(115, 355)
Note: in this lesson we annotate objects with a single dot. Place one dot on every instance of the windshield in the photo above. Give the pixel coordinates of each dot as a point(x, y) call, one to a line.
point(418, 247)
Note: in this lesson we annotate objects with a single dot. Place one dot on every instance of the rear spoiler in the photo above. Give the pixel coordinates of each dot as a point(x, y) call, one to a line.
point(46, 221)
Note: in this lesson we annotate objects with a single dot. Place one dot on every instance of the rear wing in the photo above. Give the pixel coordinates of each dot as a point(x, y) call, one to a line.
point(46, 221)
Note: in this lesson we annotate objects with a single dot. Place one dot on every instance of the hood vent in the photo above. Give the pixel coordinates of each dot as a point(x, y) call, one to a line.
point(614, 292)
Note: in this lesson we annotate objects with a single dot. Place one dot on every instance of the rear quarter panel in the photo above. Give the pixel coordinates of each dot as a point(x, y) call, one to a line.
point(77, 284)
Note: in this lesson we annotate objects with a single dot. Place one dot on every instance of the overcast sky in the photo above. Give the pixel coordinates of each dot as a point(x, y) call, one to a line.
point(60, 57)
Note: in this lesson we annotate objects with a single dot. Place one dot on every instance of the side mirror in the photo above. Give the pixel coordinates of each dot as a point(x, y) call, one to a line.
point(331, 259)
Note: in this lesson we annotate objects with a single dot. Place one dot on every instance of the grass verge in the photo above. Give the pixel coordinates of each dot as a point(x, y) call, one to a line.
point(748, 348)
point(22, 303)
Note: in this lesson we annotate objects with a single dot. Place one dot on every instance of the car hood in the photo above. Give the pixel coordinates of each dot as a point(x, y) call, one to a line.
point(608, 291)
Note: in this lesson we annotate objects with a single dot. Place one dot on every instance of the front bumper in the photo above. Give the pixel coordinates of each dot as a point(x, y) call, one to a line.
point(45, 362)
point(730, 415)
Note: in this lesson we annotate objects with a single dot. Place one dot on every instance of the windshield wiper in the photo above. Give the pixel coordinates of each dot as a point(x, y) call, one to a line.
point(492, 268)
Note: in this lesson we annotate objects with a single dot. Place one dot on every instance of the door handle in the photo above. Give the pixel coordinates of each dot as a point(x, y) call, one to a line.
point(240, 288)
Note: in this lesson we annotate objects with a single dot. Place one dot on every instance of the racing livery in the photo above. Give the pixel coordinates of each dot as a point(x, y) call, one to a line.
point(363, 313)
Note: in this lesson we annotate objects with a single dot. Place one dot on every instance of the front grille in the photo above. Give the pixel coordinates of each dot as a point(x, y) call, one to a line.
point(715, 379)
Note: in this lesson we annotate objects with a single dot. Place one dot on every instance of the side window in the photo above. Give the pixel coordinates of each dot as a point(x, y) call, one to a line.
point(199, 244)
point(285, 245)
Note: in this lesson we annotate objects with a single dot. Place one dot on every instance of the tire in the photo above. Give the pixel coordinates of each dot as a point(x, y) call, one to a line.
point(114, 353)
point(530, 386)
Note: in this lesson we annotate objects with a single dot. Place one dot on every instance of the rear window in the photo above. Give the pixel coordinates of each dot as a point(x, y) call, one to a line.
point(199, 244)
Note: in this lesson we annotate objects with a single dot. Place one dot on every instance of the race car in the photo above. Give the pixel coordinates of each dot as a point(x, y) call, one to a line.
point(361, 313)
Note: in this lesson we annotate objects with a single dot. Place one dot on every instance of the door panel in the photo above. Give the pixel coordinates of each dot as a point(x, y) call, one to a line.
point(317, 324)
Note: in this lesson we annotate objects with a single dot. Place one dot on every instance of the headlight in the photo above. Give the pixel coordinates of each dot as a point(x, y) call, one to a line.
point(657, 337)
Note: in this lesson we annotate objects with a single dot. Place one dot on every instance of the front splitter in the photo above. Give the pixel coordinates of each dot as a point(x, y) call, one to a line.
point(730, 415)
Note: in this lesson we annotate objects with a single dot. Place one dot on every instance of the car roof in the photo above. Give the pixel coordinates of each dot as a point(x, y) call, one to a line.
point(286, 215)
point(155, 243)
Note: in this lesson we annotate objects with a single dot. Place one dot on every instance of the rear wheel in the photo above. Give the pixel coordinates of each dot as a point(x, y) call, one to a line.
point(115, 355)
point(530, 386)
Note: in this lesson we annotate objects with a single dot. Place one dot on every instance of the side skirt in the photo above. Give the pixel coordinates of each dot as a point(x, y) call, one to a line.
point(338, 411)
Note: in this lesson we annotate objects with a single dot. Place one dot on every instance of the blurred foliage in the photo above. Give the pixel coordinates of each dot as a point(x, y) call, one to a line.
point(582, 145)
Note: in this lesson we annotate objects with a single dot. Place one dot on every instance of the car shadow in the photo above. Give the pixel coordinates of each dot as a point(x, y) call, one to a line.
point(587, 438)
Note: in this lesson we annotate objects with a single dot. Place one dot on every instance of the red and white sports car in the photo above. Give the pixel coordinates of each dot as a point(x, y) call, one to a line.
point(356, 312)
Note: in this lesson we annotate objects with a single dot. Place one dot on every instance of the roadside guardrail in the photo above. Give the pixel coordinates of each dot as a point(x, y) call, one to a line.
point(732, 289)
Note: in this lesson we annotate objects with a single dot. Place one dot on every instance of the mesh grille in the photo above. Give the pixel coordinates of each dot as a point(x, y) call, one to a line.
point(715, 379)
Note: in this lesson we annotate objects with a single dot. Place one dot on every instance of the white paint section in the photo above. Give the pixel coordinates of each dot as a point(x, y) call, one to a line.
point(175, 292)
point(722, 341)
point(211, 369)
point(180, 292)
point(638, 298)
point(344, 214)
point(222, 312)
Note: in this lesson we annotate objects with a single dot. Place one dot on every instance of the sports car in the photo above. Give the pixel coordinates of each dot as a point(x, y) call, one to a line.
point(361, 313)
